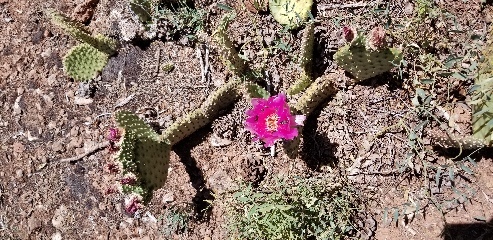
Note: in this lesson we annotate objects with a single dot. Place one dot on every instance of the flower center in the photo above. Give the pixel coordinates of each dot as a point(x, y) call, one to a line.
point(271, 122)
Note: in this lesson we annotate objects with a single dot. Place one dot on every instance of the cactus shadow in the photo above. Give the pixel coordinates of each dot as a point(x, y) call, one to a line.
point(477, 230)
point(204, 195)
point(317, 150)
point(390, 79)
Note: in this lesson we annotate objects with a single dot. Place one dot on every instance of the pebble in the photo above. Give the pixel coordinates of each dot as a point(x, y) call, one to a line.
point(18, 147)
point(59, 218)
point(56, 236)
point(57, 147)
point(19, 173)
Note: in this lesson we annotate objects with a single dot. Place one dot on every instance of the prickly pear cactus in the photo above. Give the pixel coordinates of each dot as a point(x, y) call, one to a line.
point(320, 90)
point(143, 156)
point(78, 31)
point(227, 51)
point(368, 57)
point(83, 62)
point(306, 60)
point(291, 13)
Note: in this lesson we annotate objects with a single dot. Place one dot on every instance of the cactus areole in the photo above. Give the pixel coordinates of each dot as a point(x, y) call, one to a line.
point(271, 120)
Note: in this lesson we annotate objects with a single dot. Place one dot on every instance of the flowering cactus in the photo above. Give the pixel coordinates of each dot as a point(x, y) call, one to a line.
point(271, 120)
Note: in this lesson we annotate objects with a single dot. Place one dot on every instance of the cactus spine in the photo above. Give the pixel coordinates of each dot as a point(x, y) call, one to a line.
point(366, 57)
point(306, 60)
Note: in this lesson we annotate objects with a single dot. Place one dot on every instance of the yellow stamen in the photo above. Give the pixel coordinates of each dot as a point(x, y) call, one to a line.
point(271, 122)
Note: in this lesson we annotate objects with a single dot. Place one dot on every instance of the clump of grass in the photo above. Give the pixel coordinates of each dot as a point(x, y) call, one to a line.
point(181, 20)
point(176, 221)
point(292, 209)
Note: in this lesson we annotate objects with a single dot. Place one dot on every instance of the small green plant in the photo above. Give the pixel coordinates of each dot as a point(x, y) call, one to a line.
point(182, 20)
point(295, 208)
point(176, 221)
point(144, 9)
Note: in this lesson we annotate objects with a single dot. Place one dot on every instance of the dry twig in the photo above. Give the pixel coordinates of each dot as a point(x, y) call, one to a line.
point(88, 152)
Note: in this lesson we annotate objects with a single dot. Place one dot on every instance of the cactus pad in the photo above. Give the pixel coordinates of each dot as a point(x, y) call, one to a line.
point(320, 90)
point(363, 63)
point(306, 60)
point(142, 155)
point(291, 13)
point(185, 126)
point(84, 62)
point(467, 143)
point(78, 31)
point(227, 51)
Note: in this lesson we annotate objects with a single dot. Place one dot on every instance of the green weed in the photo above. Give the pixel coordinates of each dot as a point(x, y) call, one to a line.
point(176, 221)
point(292, 209)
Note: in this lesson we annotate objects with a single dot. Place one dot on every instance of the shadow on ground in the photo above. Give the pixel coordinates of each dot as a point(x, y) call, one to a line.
point(469, 231)
point(204, 195)
point(317, 150)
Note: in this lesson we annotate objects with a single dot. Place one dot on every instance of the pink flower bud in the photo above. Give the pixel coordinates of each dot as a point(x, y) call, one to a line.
point(376, 39)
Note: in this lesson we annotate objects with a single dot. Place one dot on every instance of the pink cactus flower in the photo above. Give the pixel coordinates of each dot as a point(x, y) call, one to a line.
point(271, 120)
point(113, 135)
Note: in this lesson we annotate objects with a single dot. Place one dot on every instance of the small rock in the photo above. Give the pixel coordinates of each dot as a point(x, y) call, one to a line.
point(19, 173)
point(33, 223)
point(59, 220)
point(74, 132)
point(167, 198)
point(57, 147)
point(18, 147)
point(56, 236)
point(219, 142)
point(82, 101)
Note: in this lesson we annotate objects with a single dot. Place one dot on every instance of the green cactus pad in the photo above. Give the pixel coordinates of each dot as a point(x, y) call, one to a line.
point(320, 90)
point(142, 154)
point(185, 126)
point(221, 98)
point(291, 13)
point(363, 63)
point(138, 128)
point(84, 62)
point(482, 101)
point(227, 51)
point(306, 61)
point(467, 143)
point(78, 31)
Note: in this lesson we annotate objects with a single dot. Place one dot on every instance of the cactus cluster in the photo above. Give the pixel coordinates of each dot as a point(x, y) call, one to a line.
point(83, 62)
point(144, 154)
point(482, 105)
point(290, 13)
point(366, 56)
